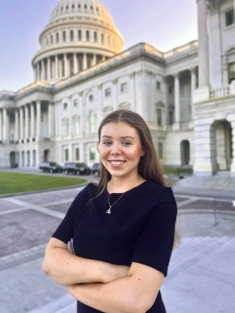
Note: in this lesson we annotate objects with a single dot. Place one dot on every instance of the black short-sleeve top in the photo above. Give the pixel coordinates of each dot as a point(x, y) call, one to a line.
point(139, 229)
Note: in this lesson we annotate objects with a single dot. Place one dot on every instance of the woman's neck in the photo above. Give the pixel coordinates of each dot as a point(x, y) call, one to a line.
point(119, 184)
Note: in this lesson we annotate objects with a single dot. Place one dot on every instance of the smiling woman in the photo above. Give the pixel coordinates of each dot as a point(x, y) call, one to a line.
point(122, 229)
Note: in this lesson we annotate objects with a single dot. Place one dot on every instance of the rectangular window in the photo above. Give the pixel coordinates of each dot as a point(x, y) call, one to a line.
point(229, 17)
point(66, 154)
point(102, 38)
point(158, 85)
point(75, 103)
point(64, 36)
point(160, 150)
point(231, 72)
point(92, 154)
point(66, 128)
point(159, 117)
point(124, 87)
point(170, 90)
point(171, 118)
point(107, 92)
point(76, 127)
point(77, 154)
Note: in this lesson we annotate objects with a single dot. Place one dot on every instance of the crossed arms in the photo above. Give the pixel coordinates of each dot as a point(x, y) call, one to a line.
point(106, 287)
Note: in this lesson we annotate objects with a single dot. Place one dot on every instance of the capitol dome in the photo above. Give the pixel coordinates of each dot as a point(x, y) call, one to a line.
point(79, 35)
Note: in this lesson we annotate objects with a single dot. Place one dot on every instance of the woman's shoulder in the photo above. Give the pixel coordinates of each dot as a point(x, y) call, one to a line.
point(153, 190)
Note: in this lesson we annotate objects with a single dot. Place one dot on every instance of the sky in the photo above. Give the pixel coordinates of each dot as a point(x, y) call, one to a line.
point(165, 24)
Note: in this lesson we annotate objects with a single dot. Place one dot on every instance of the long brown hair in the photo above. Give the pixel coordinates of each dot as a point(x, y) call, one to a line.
point(149, 167)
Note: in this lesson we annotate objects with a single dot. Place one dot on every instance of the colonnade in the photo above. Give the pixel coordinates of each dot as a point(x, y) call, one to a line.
point(27, 123)
point(65, 65)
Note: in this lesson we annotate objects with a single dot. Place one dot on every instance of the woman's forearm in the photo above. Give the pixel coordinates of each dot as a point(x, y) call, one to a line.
point(67, 269)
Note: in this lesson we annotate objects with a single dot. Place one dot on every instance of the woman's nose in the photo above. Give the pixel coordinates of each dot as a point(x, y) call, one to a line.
point(115, 149)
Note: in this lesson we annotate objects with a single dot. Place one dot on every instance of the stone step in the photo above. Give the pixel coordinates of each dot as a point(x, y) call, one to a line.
point(178, 268)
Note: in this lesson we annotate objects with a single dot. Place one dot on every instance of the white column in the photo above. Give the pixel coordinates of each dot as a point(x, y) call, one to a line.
point(193, 81)
point(203, 47)
point(1, 126)
point(56, 67)
point(50, 120)
point(165, 100)
point(5, 124)
point(42, 70)
point(21, 123)
point(177, 98)
point(38, 71)
point(75, 63)
point(26, 110)
point(32, 121)
point(48, 68)
point(38, 116)
point(65, 66)
point(16, 125)
point(84, 61)
point(94, 61)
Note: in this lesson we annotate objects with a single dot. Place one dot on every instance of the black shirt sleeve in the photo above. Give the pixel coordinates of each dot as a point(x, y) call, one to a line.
point(65, 231)
point(155, 241)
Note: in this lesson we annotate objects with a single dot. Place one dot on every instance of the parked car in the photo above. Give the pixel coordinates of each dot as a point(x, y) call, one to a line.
point(95, 169)
point(76, 168)
point(51, 167)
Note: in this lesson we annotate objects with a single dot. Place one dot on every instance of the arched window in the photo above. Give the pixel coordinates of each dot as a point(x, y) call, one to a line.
point(95, 36)
point(64, 35)
point(65, 123)
point(79, 35)
point(92, 122)
point(76, 125)
point(102, 38)
point(87, 35)
point(51, 39)
point(71, 35)
point(57, 37)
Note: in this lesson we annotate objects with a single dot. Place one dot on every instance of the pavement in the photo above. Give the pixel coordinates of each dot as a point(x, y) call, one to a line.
point(201, 275)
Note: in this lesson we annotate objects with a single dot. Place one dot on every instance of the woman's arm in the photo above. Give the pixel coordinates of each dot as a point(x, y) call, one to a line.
point(133, 294)
point(67, 269)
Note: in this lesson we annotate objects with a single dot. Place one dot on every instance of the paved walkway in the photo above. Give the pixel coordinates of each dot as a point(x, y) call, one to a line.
point(201, 274)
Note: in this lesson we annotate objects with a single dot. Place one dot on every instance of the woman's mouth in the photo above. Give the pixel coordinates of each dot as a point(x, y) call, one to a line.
point(116, 162)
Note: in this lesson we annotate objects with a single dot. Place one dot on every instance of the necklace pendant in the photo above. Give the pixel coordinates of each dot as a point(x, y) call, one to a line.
point(109, 210)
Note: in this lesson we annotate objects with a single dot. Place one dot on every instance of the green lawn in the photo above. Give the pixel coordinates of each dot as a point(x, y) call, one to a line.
point(17, 182)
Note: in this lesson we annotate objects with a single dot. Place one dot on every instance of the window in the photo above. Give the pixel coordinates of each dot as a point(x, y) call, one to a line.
point(85, 6)
point(91, 122)
point(92, 153)
point(64, 35)
point(80, 65)
point(79, 6)
point(108, 39)
point(65, 127)
point(170, 90)
point(231, 72)
point(79, 35)
point(87, 35)
point(160, 150)
point(124, 87)
point(76, 127)
point(97, 9)
point(65, 106)
point(159, 117)
point(229, 17)
point(91, 7)
point(75, 103)
point(95, 36)
point(77, 154)
point(91, 98)
point(66, 154)
point(52, 39)
point(171, 118)
point(158, 85)
point(89, 63)
point(62, 9)
point(67, 7)
point(102, 38)
point(71, 35)
point(73, 6)
point(57, 37)
point(107, 92)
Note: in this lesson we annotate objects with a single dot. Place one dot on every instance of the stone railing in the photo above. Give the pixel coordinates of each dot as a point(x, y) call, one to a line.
point(191, 46)
point(220, 92)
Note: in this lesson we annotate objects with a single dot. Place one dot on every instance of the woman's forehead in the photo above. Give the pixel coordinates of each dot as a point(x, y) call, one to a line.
point(118, 128)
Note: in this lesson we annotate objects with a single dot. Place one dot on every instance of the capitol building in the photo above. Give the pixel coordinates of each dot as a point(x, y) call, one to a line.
point(81, 74)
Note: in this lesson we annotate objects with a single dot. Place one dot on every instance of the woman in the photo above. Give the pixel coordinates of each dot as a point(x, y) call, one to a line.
point(122, 229)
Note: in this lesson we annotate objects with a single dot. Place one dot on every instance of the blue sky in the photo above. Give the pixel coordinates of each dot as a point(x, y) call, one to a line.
point(164, 24)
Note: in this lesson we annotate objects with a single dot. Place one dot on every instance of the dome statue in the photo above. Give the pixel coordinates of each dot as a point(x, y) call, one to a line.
point(79, 35)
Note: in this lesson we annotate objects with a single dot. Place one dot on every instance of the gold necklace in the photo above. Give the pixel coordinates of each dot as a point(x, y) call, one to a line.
point(111, 205)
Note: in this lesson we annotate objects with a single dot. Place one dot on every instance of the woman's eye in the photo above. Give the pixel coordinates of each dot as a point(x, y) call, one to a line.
point(126, 143)
point(107, 143)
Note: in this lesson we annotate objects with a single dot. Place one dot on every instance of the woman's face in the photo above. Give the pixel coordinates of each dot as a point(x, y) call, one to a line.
point(120, 149)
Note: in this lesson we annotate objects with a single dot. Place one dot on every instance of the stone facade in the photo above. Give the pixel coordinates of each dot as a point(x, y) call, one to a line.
point(186, 95)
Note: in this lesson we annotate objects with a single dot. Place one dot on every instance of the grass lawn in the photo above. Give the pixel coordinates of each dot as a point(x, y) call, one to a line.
point(17, 182)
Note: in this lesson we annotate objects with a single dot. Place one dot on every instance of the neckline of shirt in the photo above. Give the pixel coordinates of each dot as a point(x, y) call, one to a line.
point(119, 193)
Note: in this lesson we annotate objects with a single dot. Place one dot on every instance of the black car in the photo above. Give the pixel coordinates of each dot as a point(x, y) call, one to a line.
point(51, 167)
point(95, 169)
point(76, 168)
